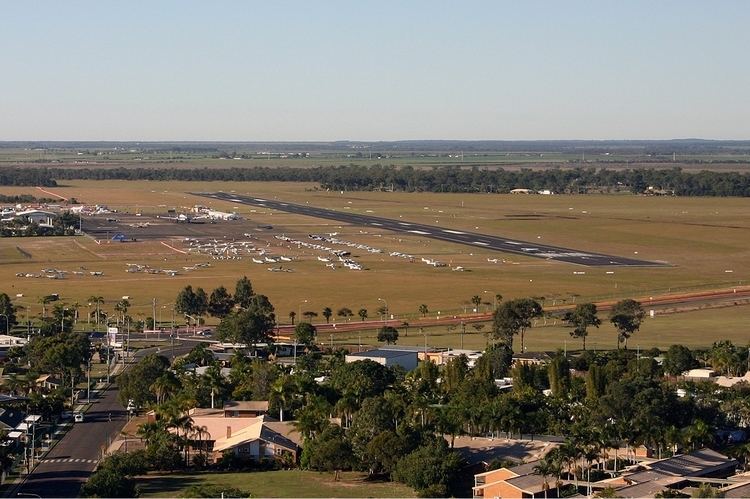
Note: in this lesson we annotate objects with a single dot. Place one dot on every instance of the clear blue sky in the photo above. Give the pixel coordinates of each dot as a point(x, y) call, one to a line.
point(377, 70)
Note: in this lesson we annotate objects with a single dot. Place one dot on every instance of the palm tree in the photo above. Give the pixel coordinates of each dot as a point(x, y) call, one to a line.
point(476, 300)
point(122, 307)
point(327, 313)
point(151, 432)
point(544, 468)
point(423, 309)
point(405, 325)
point(165, 386)
point(97, 300)
point(282, 392)
point(362, 314)
point(292, 315)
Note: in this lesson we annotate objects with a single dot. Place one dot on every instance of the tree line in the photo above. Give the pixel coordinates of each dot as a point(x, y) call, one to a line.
point(410, 179)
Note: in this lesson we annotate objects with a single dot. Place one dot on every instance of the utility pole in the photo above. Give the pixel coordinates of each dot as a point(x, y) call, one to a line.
point(153, 316)
point(88, 382)
point(463, 331)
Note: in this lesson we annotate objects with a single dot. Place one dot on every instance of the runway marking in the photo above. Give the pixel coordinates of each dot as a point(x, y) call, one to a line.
point(52, 194)
point(173, 248)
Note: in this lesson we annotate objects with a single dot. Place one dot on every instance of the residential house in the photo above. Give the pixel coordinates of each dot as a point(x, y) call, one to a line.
point(516, 482)
point(48, 382)
point(245, 408)
point(217, 431)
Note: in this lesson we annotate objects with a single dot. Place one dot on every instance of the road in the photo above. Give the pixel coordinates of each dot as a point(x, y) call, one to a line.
point(69, 464)
point(72, 460)
point(473, 239)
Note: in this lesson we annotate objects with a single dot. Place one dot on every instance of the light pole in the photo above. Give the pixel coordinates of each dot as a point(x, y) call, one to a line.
point(386, 307)
point(299, 310)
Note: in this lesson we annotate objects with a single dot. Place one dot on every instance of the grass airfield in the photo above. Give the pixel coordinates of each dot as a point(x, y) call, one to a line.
point(701, 238)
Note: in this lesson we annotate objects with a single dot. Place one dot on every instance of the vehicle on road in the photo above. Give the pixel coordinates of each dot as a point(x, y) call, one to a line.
point(78, 417)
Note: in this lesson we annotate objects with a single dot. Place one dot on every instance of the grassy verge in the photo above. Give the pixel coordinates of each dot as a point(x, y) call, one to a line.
point(293, 483)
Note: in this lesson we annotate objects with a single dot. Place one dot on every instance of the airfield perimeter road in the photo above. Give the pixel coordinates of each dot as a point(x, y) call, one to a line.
point(73, 459)
point(473, 239)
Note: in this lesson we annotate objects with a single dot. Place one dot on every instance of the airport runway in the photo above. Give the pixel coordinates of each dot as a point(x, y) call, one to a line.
point(473, 239)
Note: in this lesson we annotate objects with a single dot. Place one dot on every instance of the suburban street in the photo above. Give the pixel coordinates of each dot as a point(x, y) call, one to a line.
point(71, 461)
point(69, 464)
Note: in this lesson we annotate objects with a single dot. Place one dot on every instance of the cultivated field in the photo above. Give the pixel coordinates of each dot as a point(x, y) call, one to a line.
point(701, 238)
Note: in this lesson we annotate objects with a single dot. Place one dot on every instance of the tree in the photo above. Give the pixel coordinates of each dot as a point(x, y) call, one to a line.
point(243, 291)
point(388, 334)
point(678, 359)
point(220, 303)
point(362, 313)
point(292, 315)
point(107, 482)
point(431, 469)
point(514, 317)
point(186, 301)
point(329, 451)
point(246, 327)
point(305, 333)
point(98, 301)
point(383, 452)
point(476, 300)
point(627, 316)
point(583, 316)
point(345, 313)
point(136, 383)
point(375, 416)
point(8, 311)
point(423, 309)
point(59, 353)
point(309, 315)
point(201, 302)
point(121, 307)
point(327, 313)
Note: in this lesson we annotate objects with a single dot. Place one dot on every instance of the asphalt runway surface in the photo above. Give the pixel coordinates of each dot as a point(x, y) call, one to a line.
point(476, 240)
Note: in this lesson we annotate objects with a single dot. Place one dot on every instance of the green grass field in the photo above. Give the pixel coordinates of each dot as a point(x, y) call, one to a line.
point(702, 238)
point(292, 483)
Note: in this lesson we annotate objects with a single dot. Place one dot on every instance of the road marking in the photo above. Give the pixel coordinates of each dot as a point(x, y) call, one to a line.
point(404, 223)
point(453, 231)
point(420, 232)
point(481, 243)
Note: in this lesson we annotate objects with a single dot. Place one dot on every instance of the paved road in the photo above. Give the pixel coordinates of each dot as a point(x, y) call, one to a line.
point(69, 464)
point(476, 240)
point(72, 460)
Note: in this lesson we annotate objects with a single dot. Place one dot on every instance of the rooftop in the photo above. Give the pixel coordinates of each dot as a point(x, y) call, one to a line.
point(382, 353)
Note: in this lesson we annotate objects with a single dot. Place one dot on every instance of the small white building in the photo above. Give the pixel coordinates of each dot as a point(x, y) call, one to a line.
point(388, 358)
point(700, 374)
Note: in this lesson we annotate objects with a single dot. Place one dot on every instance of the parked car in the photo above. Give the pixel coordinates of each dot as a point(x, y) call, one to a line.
point(78, 417)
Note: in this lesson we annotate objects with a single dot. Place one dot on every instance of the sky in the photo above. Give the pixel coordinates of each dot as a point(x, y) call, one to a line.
point(374, 70)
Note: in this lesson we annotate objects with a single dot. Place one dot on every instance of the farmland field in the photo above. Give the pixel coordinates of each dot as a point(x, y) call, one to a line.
point(704, 241)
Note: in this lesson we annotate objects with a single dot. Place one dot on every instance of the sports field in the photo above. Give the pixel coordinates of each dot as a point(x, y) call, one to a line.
point(705, 241)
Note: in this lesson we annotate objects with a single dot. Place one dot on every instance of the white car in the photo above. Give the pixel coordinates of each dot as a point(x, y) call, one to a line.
point(78, 417)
